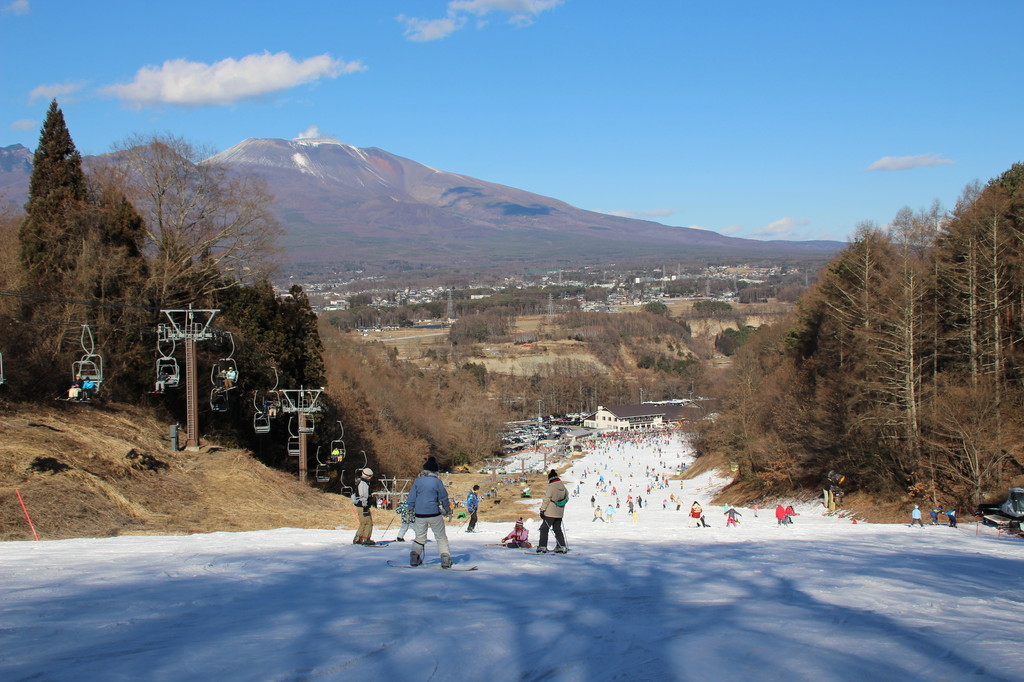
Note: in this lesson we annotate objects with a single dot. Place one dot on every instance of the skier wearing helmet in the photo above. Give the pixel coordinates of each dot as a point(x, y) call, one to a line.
point(365, 529)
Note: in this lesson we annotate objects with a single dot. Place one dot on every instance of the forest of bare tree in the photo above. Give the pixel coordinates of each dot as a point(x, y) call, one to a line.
point(902, 369)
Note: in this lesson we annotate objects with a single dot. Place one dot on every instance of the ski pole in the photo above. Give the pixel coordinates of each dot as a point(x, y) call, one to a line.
point(386, 529)
point(27, 517)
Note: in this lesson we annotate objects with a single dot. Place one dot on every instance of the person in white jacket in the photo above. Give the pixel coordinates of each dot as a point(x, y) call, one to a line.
point(362, 501)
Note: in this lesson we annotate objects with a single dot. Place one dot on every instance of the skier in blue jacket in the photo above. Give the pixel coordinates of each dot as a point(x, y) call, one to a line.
point(472, 504)
point(428, 500)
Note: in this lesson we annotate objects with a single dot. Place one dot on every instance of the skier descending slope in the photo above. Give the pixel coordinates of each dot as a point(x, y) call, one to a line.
point(428, 498)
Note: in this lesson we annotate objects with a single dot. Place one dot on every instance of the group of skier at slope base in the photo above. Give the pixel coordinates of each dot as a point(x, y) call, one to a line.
point(427, 506)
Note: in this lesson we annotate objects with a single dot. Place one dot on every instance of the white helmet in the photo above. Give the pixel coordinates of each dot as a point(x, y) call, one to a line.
point(367, 472)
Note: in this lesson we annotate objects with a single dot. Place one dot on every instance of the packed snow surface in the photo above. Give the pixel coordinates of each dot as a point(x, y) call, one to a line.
point(643, 599)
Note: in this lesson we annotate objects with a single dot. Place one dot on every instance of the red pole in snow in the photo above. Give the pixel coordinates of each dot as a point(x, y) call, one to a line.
point(25, 509)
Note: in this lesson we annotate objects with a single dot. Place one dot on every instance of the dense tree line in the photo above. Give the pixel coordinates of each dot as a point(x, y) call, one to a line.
point(98, 254)
point(903, 369)
point(400, 414)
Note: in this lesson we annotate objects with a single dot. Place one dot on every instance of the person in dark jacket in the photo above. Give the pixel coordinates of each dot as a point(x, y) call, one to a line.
point(428, 500)
point(472, 505)
point(551, 511)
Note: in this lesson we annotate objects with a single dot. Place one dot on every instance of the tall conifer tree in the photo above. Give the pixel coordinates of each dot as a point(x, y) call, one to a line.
point(56, 188)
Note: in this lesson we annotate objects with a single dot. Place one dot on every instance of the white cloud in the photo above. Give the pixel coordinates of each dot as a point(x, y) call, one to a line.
point(195, 84)
point(521, 13)
point(311, 132)
point(732, 229)
point(18, 8)
point(24, 124)
point(425, 30)
point(908, 162)
point(51, 91)
point(781, 227)
point(521, 10)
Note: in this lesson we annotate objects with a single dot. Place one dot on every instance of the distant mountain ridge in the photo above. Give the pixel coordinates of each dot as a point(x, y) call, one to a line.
point(344, 205)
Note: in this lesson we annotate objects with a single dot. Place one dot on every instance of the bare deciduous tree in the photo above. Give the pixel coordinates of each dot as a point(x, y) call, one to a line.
point(206, 226)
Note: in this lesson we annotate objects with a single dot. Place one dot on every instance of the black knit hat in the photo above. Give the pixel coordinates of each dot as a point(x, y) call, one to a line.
point(552, 475)
point(431, 465)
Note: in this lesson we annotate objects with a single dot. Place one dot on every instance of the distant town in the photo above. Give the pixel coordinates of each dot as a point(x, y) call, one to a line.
point(601, 289)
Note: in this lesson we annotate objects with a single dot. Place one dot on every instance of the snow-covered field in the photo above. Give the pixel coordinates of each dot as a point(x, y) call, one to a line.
point(650, 599)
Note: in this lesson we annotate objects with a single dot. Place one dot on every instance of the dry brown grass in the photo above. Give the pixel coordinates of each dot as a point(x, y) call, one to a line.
point(108, 471)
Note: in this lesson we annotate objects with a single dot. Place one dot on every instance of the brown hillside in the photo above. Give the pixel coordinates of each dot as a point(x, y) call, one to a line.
point(87, 471)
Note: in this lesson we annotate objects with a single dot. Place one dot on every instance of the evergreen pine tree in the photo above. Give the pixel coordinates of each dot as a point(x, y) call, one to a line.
point(56, 187)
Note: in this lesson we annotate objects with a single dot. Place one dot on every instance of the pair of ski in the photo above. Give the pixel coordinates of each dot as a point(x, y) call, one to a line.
point(454, 567)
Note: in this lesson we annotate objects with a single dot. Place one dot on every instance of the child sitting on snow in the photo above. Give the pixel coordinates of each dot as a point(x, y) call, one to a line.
point(518, 537)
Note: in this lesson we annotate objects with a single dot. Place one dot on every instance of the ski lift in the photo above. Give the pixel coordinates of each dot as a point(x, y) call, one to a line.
point(224, 373)
point(90, 366)
point(260, 418)
point(322, 474)
point(3, 379)
point(220, 401)
point(337, 451)
point(272, 402)
point(294, 443)
point(307, 425)
point(167, 369)
point(261, 422)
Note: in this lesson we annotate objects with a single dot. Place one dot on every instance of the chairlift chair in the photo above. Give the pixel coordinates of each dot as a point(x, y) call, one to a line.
point(261, 422)
point(337, 452)
point(89, 368)
point(307, 425)
point(294, 450)
point(167, 367)
point(260, 417)
point(220, 374)
point(322, 473)
point(220, 401)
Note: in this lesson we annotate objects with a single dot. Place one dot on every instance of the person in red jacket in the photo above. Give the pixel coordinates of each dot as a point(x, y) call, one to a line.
point(780, 515)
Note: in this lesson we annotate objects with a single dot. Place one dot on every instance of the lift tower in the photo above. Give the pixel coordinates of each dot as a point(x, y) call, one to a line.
point(189, 325)
point(306, 403)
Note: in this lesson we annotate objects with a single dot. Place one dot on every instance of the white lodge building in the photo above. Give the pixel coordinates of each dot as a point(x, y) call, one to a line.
point(636, 417)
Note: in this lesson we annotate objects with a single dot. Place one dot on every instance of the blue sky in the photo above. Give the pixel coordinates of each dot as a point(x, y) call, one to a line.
point(792, 120)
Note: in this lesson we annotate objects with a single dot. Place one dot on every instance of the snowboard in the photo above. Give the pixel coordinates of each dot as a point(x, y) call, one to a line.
point(456, 567)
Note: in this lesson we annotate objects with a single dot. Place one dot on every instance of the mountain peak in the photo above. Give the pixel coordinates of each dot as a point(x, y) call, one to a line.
point(317, 141)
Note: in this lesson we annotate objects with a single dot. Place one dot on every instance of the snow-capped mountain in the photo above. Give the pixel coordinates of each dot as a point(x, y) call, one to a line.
point(15, 170)
point(340, 202)
point(343, 204)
